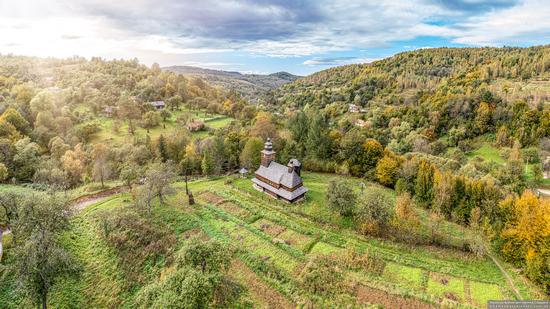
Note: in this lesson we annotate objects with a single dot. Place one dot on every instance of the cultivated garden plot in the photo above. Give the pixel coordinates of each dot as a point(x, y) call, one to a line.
point(282, 228)
point(260, 293)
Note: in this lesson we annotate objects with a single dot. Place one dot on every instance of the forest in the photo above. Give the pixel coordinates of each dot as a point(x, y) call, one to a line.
point(434, 150)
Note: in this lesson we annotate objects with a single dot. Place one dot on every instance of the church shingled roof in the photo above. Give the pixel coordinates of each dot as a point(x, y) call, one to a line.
point(279, 174)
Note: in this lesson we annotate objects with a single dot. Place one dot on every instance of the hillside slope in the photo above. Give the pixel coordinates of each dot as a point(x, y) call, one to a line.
point(251, 86)
point(513, 72)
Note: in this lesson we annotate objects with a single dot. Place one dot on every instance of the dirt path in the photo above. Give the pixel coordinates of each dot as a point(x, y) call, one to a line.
point(505, 273)
point(79, 204)
point(84, 201)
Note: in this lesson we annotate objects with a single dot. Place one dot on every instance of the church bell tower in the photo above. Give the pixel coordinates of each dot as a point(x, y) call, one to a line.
point(268, 154)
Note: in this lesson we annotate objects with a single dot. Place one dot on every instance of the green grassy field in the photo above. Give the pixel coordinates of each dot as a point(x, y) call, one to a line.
point(490, 153)
point(109, 136)
point(274, 241)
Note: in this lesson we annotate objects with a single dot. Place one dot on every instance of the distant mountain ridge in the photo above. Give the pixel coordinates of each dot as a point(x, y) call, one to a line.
point(251, 86)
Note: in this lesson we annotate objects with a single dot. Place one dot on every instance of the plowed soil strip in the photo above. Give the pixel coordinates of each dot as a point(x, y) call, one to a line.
point(367, 295)
point(261, 293)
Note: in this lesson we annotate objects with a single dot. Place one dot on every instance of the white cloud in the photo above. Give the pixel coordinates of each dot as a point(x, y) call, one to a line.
point(334, 61)
point(527, 23)
point(161, 29)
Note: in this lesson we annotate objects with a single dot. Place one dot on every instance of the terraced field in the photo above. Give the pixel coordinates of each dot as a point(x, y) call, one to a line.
point(274, 242)
point(282, 238)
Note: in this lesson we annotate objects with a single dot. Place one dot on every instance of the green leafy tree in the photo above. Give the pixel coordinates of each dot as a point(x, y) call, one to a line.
point(161, 149)
point(101, 168)
point(13, 117)
point(158, 180)
point(40, 259)
point(129, 173)
point(373, 213)
point(165, 114)
point(299, 127)
point(26, 158)
point(250, 156)
point(175, 102)
point(207, 163)
point(318, 142)
point(150, 119)
point(372, 152)
point(341, 197)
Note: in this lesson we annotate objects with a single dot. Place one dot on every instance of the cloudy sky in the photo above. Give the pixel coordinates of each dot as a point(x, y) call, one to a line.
point(264, 36)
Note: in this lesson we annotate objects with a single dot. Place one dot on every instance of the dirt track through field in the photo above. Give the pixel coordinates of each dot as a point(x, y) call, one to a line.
point(84, 201)
point(505, 273)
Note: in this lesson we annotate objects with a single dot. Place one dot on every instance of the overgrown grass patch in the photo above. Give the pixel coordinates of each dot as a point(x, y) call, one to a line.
point(481, 293)
point(295, 239)
point(446, 287)
point(235, 210)
point(403, 275)
point(324, 248)
point(269, 227)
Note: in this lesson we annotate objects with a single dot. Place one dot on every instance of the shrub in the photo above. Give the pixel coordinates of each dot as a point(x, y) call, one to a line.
point(367, 261)
point(136, 241)
point(197, 280)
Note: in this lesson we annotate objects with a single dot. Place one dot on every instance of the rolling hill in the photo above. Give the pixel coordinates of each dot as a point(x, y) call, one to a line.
point(251, 86)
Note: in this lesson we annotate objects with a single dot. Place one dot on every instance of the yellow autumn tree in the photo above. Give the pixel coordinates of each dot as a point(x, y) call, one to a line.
point(386, 170)
point(527, 235)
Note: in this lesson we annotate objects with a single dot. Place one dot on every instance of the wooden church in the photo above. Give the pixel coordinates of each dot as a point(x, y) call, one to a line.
point(279, 181)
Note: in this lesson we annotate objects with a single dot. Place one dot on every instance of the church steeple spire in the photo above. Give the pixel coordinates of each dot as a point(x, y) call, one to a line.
point(268, 154)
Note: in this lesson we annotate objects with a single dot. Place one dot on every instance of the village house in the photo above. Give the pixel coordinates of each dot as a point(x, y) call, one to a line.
point(279, 181)
point(157, 104)
point(360, 123)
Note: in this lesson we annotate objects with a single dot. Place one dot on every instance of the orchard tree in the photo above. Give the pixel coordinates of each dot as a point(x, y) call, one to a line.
point(129, 173)
point(165, 114)
point(40, 258)
point(158, 180)
point(74, 163)
point(128, 110)
point(101, 168)
point(175, 102)
point(150, 119)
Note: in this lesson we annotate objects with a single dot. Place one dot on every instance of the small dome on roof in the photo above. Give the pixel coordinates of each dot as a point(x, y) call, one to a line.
point(294, 162)
point(268, 145)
